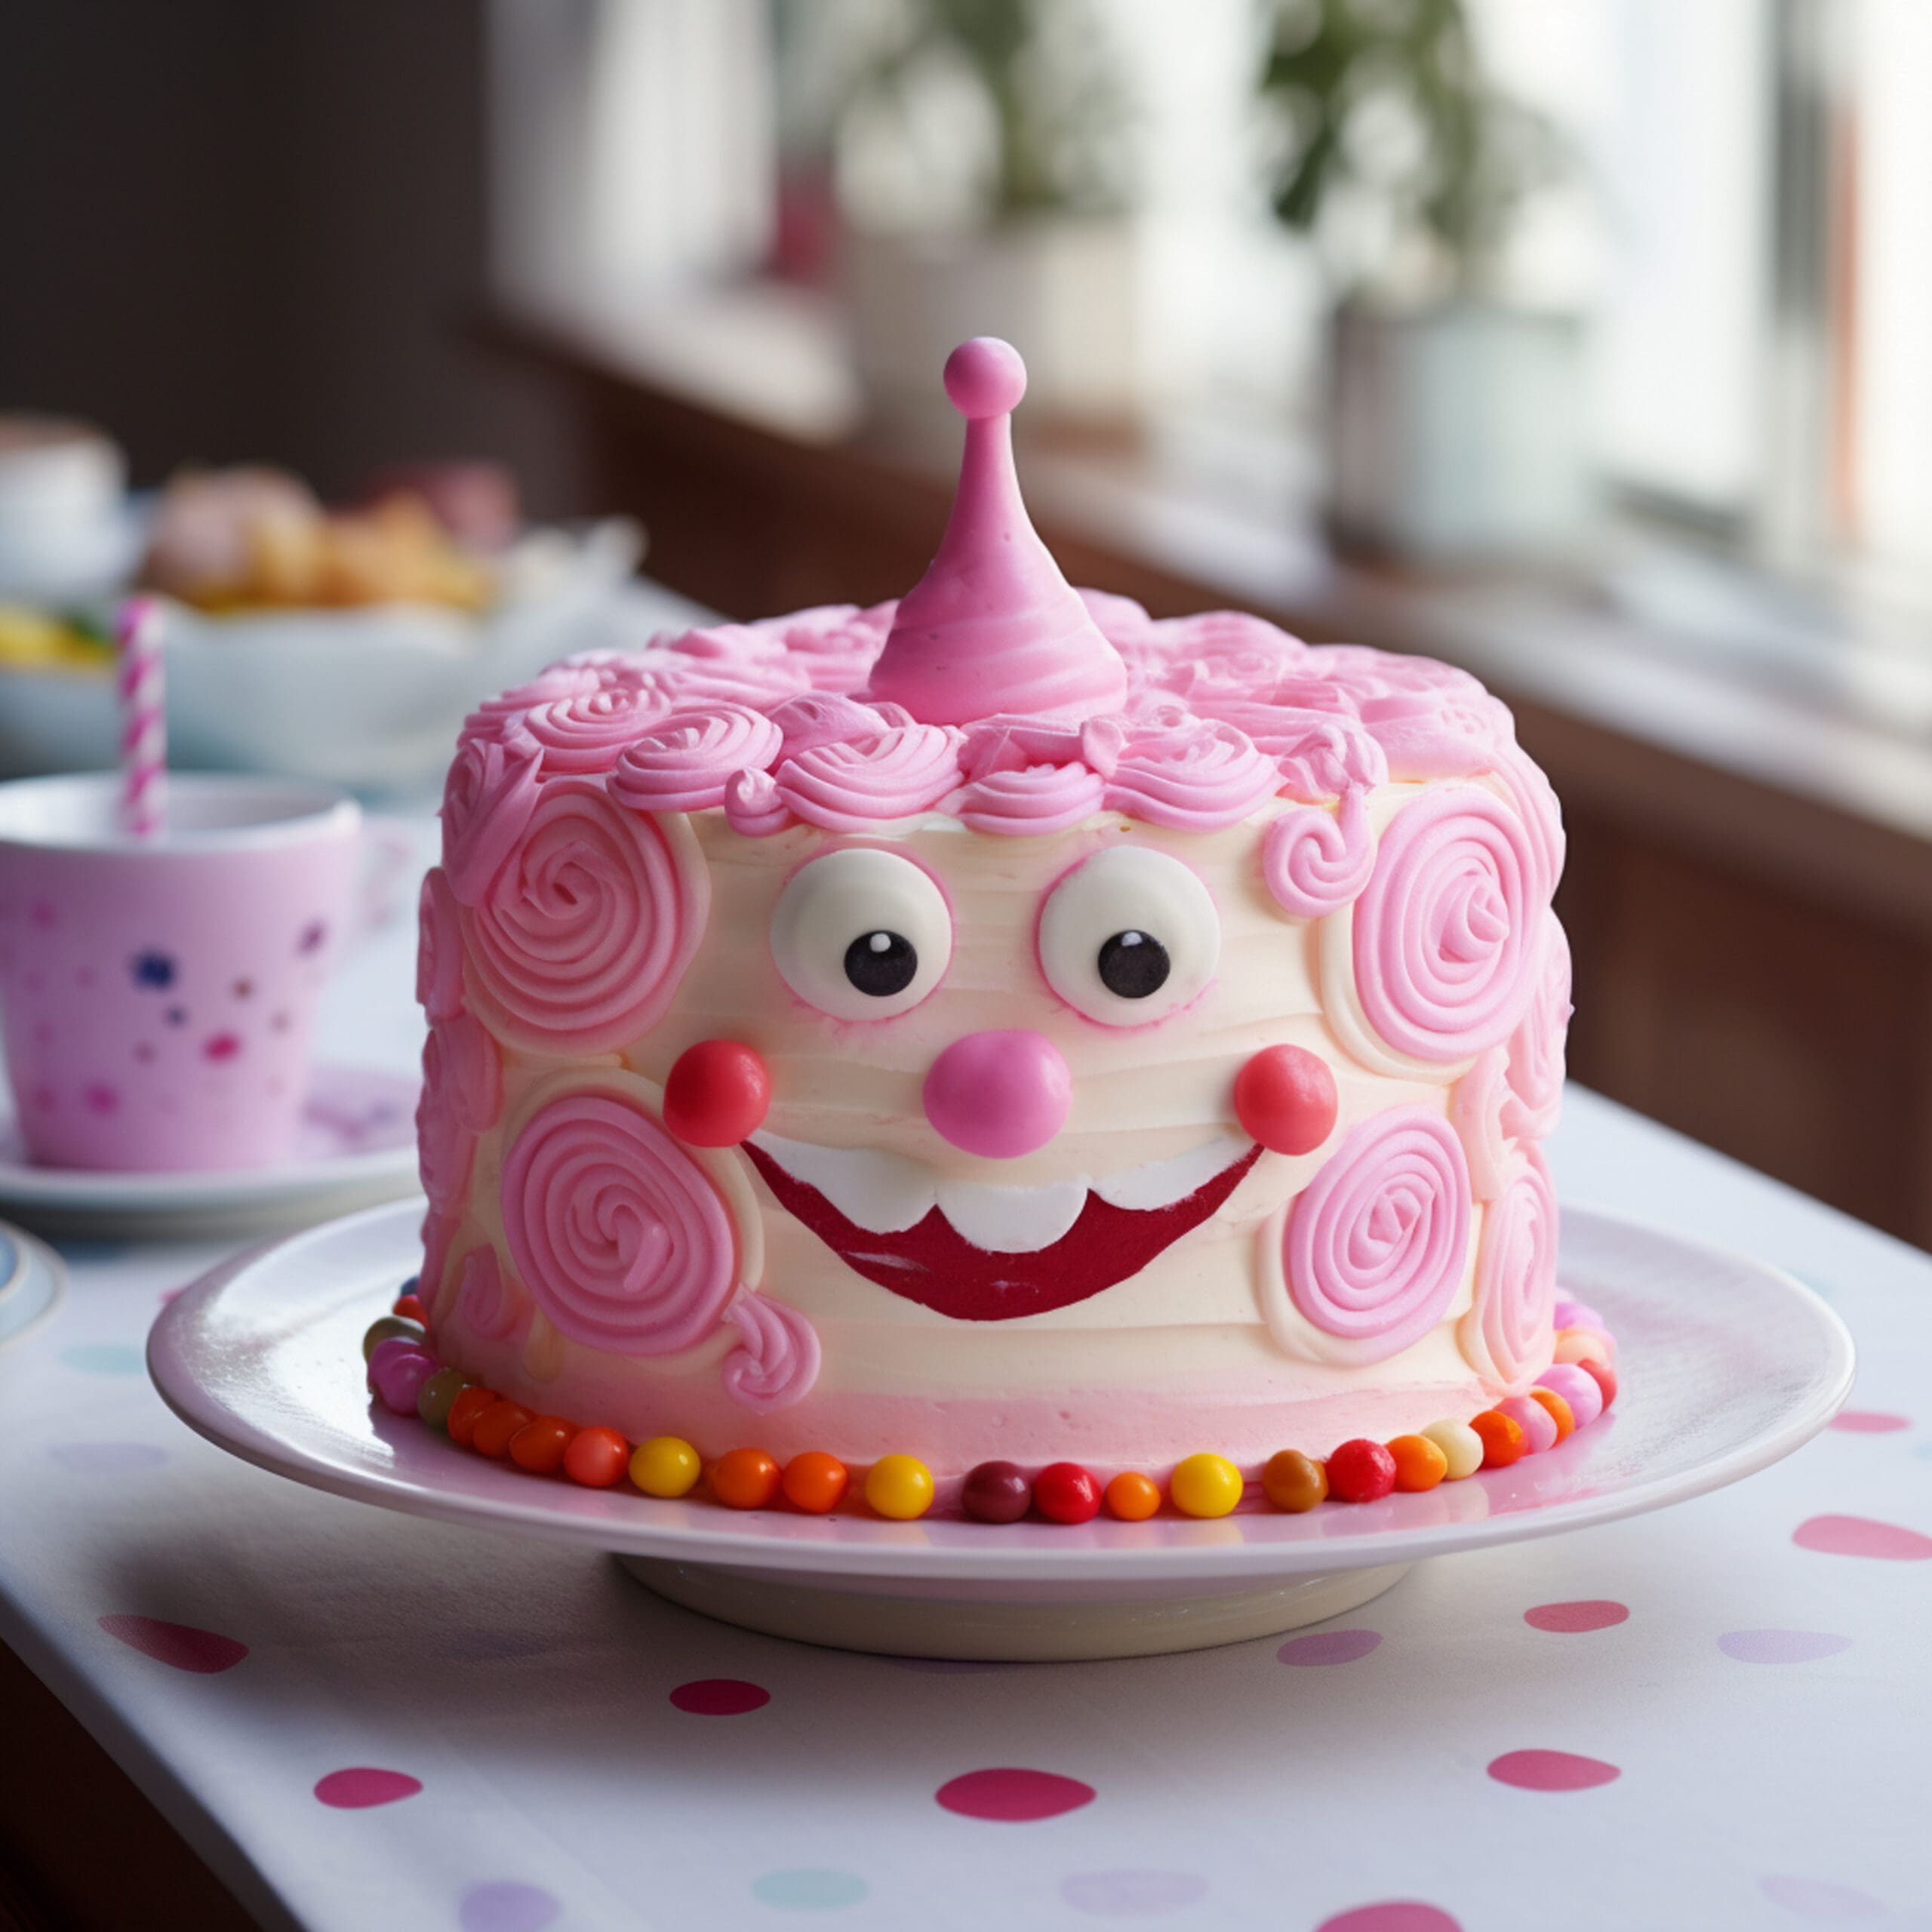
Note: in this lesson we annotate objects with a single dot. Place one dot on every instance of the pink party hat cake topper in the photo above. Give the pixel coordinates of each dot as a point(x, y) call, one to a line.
point(993, 629)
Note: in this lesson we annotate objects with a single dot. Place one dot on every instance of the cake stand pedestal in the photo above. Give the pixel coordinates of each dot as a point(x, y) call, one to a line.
point(1002, 1622)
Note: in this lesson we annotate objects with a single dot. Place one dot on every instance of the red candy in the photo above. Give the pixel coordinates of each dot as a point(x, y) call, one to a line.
point(997, 1493)
point(540, 1444)
point(717, 1094)
point(1360, 1471)
point(411, 1306)
point(1604, 1377)
point(1285, 1097)
point(1065, 1492)
point(595, 1457)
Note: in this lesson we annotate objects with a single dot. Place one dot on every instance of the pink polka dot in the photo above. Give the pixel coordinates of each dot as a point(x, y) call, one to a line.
point(1551, 1770)
point(720, 1696)
point(1014, 1797)
point(221, 1046)
point(1859, 1536)
point(180, 1646)
point(1868, 1422)
point(100, 1098)
point(1819, 1899)
point(362, 1786)
point(1781, 1646)
point(1587, 1613)
point(1393, 1915)
point(1329, 1647)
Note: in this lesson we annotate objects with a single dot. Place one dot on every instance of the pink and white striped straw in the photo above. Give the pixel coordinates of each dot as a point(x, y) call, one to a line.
point(143, 719)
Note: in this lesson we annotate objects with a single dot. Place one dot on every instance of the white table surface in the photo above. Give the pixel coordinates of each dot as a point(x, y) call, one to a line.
point(1766, 1706)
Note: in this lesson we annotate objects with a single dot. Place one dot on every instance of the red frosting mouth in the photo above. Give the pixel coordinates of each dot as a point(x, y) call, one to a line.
point(932, 1263)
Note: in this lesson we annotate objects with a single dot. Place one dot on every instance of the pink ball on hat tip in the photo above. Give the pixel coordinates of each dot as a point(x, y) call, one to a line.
point(985, 377)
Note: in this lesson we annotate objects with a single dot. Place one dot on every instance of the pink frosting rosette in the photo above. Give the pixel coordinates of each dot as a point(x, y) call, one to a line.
point(463, 1094)
point(1536, 1047)
point(497, 717)
point(586, 732)
point(824, 717)
point(1377, 1242)
point(1446, 931)
point(1197, 776)
point(1476, 1104)
point(853, 787)
point(438, 1236)
point(752, 807)
point(484, 1299)
point(590, 927)
point(1327, 758)
point(1013, 744)
point(621, 1238)
point(438, 949)
point(776, 1359)
point(1506, 1335)
point(1437, 734)
point(488, 799)
point(1315, 862)
point(684, 762)
point(1030, 803)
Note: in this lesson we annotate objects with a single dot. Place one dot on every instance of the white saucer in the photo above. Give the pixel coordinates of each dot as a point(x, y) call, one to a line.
point(356, 1144)
point(1726, 1365)
point(32, 1280)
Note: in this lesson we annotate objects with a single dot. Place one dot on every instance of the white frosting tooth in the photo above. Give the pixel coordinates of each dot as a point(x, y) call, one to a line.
point(1160, 1183)
point(1011, 1220)
point(883, 1193)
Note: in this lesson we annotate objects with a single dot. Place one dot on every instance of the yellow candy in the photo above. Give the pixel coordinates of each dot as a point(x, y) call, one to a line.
point(1205, 1485)
point(665, 1465)
point(1461, 1446)
point(384, 1327)
point(900, 1486)
point(433, 1401)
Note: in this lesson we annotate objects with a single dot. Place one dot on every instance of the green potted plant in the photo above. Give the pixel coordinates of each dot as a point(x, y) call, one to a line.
point(980, 155)
point(1456, 414)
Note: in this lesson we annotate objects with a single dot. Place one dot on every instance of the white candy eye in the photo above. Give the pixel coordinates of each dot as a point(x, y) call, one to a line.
point(1129, 936)
point(861, 933)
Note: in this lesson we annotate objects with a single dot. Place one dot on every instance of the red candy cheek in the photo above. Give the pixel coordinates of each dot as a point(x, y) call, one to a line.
point(717, 1094)
point(1285, 1097)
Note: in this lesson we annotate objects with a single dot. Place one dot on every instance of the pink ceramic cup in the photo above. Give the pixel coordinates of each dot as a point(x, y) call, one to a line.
point(157, 995)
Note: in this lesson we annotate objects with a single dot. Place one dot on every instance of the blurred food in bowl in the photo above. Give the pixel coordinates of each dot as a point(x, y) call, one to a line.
point(64, 532)
point(476, 503)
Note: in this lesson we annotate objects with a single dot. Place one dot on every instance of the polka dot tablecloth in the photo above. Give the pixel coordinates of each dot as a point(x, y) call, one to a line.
point(1714, 1717)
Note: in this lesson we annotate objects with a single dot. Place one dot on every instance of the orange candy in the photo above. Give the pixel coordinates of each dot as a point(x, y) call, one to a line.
point(744, 1479)
point(813, 1482)
point(1294, 1482)
point(539, 1445)
point(1132, 1497)
point(596, 1457)
point(1419, 1464)
point(1560, 1411)
point(497, 1424)
point(1502, 1437)
point(465, 1411)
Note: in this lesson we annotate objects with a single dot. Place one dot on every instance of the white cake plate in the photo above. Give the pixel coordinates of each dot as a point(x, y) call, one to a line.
point(355, 1144)
point(1726, 1365)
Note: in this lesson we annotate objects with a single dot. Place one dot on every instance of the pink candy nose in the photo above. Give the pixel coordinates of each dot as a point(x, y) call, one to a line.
point(1000, 1094)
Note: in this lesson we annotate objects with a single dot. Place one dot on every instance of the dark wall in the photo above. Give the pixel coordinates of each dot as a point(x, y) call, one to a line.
point(258, 228)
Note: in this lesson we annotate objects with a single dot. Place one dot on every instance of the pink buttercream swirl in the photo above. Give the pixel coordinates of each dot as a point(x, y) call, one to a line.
point(776, 1359)
point(1031, 802)
point(588, 732)
point(1536, 1047)
point(498, 717)
point(1376, 1243)
point(590, 927)
point(1014, 744)
point(488, 799)
point(1506, 1337)
point(851, 787)
point(463, 1094)
point(753, 806)
point(1446, 930)
point(438, 949)
point(1194, 778)
point(684, 761)
point(438, 1236)
point(824, 717)
point(1315, 862)
point(1476, 1105)
point(623, 1241)
point(483, 1298)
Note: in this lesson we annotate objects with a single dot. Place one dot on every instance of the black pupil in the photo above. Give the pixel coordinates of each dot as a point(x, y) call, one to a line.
point(880, 963)
point(1133, 964)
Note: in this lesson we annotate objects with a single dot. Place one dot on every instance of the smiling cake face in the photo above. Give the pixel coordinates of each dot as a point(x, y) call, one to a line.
point(998, 1025)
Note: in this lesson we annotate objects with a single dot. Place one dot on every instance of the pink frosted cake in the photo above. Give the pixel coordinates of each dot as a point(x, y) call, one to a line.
point(998, 1026)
